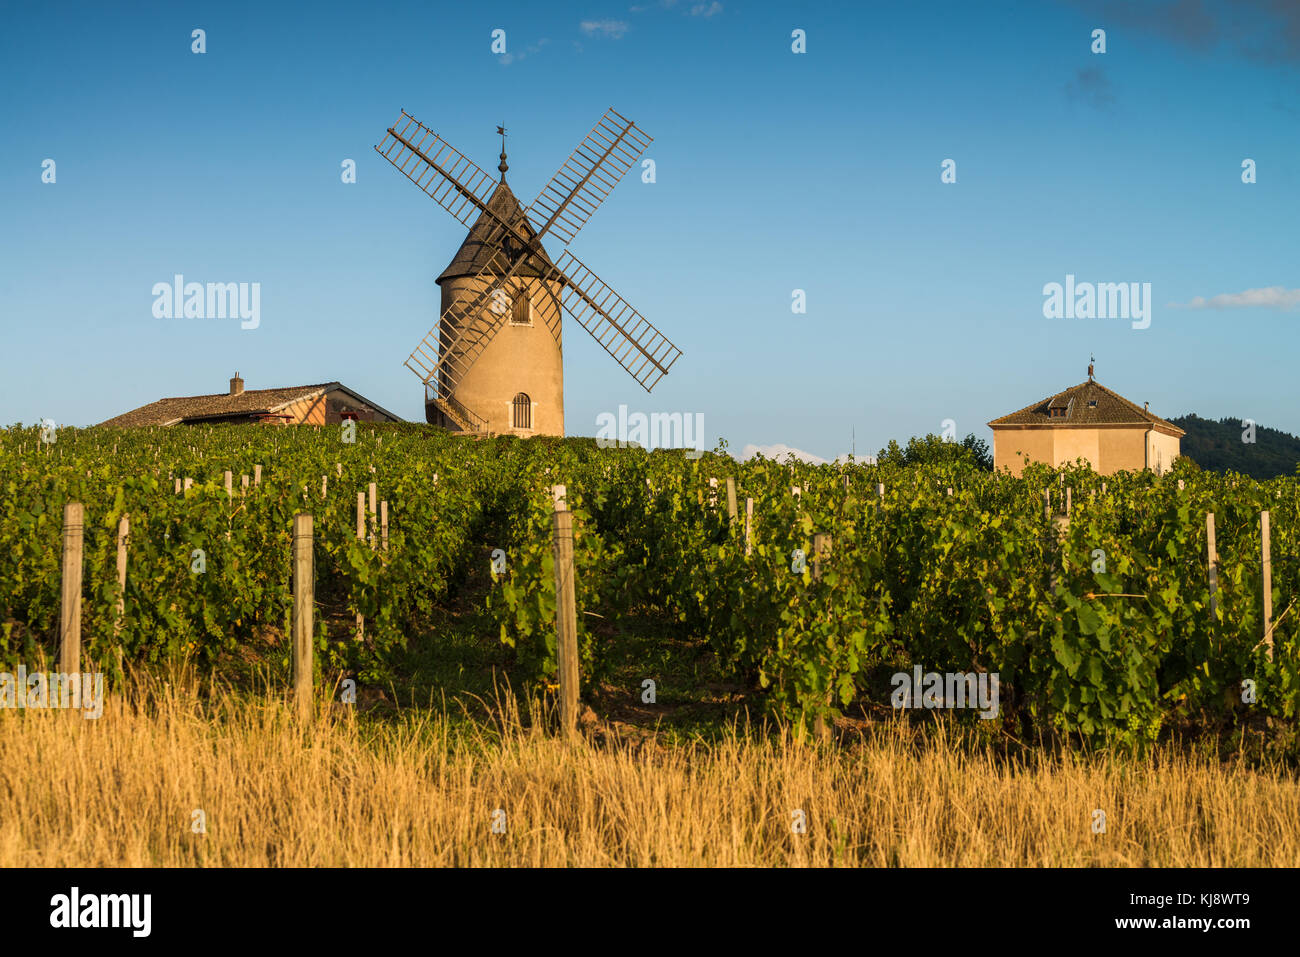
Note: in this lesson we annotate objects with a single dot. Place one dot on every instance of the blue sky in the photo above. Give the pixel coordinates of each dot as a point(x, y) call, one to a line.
point(775, 171)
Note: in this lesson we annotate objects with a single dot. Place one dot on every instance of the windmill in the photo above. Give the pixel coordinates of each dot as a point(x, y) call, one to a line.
point(503, 296)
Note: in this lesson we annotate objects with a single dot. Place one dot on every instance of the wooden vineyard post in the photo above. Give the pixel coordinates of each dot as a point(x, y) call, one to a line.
point(383, 523)
point(373, 522)
point(70, 605)
point(1068, 496)
point(324, 486)
point(880, 490)
point(338, 469)
point(821, 552)
point(189, 482)
point(566, 615)
point(1180, 485)
point(1047, 504)
point(178, 486)
point(361, 536)
point(731, 500)
point(1267, 561)
point(749, 526)
point(1212, 561)
point(713, 492)
point(821, 548)
point(230, 494)
point(243, 483)
point(257, 475)
point(123, 532)
point(304, 586)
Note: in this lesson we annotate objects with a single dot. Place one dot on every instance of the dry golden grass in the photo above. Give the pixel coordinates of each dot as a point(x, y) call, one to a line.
point(421, 791)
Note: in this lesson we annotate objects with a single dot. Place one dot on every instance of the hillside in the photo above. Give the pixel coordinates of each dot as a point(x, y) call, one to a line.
point(1218, 447)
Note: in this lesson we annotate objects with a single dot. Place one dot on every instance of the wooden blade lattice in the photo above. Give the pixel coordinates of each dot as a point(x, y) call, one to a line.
point(438, 168)
point(589, 174)
point(624, 333)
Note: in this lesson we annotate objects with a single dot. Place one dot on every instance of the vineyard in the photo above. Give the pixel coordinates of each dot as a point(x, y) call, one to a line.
point(809, 585)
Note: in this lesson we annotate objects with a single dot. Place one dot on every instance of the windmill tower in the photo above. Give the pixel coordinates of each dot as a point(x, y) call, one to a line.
point(494, 363)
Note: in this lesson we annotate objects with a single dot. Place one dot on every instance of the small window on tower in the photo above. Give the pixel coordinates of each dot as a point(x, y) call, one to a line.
point(522, 313)
point(522, 409)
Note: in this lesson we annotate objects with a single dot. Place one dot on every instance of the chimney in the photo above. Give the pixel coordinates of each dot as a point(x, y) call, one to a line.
point(236, 385)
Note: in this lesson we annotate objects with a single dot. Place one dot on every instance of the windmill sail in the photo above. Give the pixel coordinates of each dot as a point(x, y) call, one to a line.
point(589, 174)
point(624, 333)
point(438, 168)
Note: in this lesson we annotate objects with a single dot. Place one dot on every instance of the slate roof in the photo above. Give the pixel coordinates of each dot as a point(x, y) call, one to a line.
point(250, 402)
point(476, 250)
point(1087, 404)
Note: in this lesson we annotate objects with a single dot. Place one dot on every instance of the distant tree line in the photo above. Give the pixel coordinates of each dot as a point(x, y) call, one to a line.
point(1221, 447)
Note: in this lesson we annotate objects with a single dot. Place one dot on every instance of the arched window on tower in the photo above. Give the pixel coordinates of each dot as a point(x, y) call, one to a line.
point(523, 411)
point(521, 314)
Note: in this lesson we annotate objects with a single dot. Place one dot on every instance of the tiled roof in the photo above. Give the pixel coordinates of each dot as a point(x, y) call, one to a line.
point(475, 252)
point(249, 402)
point(1087, 404)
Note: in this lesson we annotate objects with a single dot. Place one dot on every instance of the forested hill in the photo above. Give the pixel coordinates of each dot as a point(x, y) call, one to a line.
point(1218, 447)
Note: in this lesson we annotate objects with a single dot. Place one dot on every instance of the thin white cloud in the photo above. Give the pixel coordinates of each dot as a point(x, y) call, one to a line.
point(706, 9)
point(1269, 297)
point(612, 29)
point(780, 452)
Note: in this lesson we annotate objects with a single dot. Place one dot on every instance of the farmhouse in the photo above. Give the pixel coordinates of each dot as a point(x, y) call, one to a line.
point(1090, 422)
point(321, 404)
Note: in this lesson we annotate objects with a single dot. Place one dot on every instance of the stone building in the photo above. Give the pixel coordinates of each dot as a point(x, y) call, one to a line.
point(1087, 421)
point(322, 404)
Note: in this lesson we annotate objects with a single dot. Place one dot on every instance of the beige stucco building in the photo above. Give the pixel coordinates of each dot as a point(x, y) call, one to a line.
point(1090, 422)
point(515, 383)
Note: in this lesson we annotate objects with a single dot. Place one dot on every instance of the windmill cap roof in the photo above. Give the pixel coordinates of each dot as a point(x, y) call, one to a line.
point(476, 251)
point(1087, 404)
